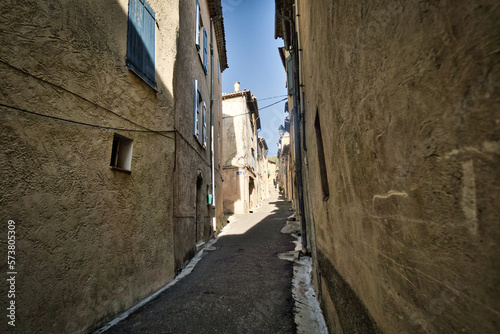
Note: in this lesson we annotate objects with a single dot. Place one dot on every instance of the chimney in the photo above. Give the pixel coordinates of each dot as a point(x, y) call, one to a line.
point(237, 86)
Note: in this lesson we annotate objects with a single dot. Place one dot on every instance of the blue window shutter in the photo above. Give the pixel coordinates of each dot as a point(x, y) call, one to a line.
point(290, 75)
point(205, 50)
point(196, 109)
point(141, 40)
point(198, 26)
point(134, 32)
point(149, 43)
point(204, 143)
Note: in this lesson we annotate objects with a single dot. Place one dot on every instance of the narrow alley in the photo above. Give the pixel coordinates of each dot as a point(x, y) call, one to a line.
point(237, 166)
point(242, 279)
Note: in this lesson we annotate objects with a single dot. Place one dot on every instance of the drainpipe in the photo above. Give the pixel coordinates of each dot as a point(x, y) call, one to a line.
point(297, 101)
point(212, 155)
point(301, 82)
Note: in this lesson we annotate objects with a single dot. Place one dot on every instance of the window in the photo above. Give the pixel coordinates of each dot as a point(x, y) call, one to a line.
point(196, 130)
point(253, 158)
point(321, 159)
point(198, 26)
point(205, 51)
point(141, 40)
point(204, 131)
point(290, 75)
point(199, 107)
point(251, 127)
point(121, 153)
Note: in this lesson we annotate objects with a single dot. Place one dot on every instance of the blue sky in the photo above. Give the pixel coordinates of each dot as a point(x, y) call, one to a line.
point(254, 61)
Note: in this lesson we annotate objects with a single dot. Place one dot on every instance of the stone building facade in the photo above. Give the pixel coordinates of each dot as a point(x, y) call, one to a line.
point(91, 97)
point(397, 109)
point(272, 178)
point(285, 172)
point(198, 211)
point(239, 156)
point(263, 171)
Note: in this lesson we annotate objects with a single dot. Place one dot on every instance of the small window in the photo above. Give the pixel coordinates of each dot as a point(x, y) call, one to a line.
point(218, 151)
point(141, 40)
point(321, 159)
point(121, 153)
point(205, 51)
point(253, 158)
point(204, 130)
point(198, 26)
point(290, 75)
point(197, 100)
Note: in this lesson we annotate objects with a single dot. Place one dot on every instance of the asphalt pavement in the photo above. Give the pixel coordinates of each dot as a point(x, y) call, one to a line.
point(241, 286)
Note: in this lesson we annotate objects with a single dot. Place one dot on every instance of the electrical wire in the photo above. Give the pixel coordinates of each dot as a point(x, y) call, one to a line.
point(273, 97)
point(86, 124)
point(81, 97)
point(270, 105)
point(273, 104)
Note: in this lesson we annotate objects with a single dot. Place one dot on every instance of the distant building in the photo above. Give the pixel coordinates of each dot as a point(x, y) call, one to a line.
point(263, 170)
point(285, 172)
point(240, 166)
point(272, 172)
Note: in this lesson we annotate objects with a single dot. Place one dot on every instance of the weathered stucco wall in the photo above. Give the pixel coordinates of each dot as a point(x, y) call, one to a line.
point(193, 176)
point(236, 156)
point(91, 241)
point(407, 96)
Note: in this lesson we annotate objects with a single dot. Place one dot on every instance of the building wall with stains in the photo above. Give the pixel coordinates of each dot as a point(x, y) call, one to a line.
point(198, 67)
point(402, 120)
point(239, 135)
point(91, 241)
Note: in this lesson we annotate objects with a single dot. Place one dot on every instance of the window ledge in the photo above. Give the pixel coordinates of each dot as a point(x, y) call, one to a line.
point(118, 169)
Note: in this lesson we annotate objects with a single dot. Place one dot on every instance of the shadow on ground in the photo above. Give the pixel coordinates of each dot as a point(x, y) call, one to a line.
point(241, 287)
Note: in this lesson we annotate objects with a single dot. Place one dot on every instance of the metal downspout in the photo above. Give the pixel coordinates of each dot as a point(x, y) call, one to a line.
point(298, 151)
point(212, 156)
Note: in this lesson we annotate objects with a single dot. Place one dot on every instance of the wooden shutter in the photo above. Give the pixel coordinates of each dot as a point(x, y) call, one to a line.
point(141, 40)
point(198, 26)
point(290, 75)
point(135, 27)
point(149, 43)
point(196, 109)
point(204, 143)
point(205, 50)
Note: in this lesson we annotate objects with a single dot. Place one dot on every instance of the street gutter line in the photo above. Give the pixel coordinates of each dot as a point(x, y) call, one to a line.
point(186, 271)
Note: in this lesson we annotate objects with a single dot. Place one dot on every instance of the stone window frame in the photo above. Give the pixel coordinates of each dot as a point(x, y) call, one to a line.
point(121, 153)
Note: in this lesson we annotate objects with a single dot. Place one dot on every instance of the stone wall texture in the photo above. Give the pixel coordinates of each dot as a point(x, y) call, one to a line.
point(407, 98)
point(193, 216)
point(91, 241)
